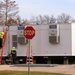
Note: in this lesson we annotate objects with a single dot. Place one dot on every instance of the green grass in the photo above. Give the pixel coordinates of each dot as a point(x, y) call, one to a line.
point(26, 73)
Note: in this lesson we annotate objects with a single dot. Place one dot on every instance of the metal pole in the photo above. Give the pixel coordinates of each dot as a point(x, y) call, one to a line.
point(29, 58)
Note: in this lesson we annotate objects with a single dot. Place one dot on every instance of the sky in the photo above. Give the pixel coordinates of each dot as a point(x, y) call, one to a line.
point(29, 8)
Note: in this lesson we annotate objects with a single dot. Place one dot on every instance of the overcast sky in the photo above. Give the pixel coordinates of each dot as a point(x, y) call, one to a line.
point(28, 8)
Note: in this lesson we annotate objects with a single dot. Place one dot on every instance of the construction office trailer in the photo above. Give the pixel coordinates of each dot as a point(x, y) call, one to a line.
point(52, 44)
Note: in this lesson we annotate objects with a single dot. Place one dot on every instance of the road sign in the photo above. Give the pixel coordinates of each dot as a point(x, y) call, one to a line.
point(29, 32)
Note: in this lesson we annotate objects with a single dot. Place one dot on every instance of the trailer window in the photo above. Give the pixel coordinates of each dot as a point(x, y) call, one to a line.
point(14, 41)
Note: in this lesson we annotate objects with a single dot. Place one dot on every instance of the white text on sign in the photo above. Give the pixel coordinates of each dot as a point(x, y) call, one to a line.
point(29, 32)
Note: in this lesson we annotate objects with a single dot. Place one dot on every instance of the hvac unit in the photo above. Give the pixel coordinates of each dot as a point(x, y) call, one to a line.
point(21, 38)
point(54, 36)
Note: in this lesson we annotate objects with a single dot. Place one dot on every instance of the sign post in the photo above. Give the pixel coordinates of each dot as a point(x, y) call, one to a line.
point(29, 33)
point(29, 58)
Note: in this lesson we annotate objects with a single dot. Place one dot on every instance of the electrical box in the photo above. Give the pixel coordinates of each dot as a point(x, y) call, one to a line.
point(21, 38)
point(20, 30)
point(54, 34)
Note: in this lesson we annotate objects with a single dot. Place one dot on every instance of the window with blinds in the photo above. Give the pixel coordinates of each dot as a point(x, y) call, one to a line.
point(14, 41)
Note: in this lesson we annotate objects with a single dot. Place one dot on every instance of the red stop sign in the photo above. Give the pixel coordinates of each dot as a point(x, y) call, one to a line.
point(29, 32)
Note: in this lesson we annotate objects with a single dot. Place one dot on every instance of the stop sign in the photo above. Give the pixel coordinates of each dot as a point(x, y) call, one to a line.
point(29, 32)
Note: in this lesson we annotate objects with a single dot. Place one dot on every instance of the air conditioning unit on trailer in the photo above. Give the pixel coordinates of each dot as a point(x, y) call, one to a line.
point(21, 38)
point(54, 34)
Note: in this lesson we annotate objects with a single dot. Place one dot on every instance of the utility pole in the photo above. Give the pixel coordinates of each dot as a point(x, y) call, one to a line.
point(6, 11)
point(6, 23)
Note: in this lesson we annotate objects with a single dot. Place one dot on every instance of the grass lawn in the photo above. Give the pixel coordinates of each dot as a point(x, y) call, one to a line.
point(26, 73)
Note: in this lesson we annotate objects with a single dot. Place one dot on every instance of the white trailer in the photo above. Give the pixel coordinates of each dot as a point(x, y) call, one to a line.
point(54, 43)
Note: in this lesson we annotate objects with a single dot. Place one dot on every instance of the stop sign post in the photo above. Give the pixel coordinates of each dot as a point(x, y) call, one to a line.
point(29, 33)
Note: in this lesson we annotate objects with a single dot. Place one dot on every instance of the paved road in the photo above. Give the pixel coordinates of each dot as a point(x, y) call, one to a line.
point(65, 69)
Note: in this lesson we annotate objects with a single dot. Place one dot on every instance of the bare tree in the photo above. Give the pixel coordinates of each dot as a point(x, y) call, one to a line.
point(18, 20)
point(11, 22)
point(37, 21)
point(32, 20)
point(63, 18)
point(10, 9)
point(41, 18)
point(1, 13)
point(52, 19)
point(45, 19)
